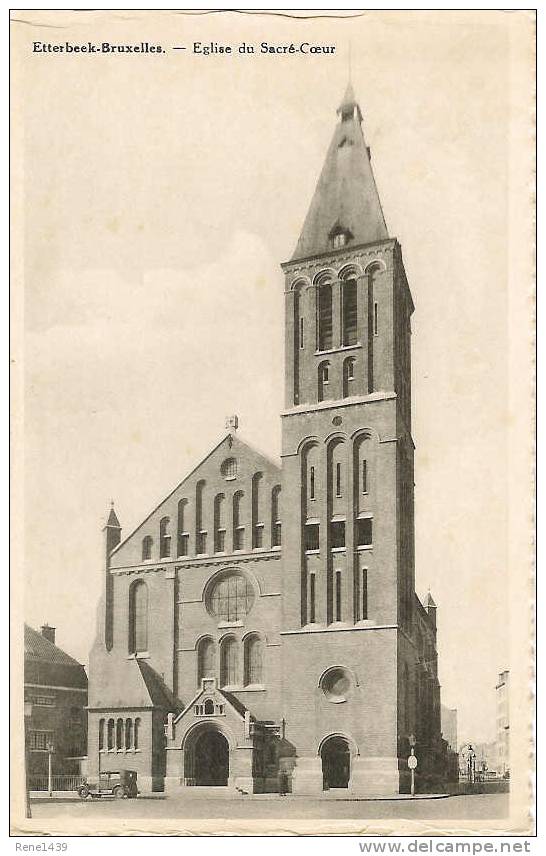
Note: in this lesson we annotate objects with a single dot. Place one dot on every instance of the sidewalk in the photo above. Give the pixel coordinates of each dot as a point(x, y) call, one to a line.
point(191, 794)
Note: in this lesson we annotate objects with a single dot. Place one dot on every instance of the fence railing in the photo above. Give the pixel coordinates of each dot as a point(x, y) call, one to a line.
point(59, 783)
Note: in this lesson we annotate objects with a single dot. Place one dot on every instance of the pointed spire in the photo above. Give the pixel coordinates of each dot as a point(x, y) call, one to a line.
point(113, 518)
point(429, 601)
point(346, 201)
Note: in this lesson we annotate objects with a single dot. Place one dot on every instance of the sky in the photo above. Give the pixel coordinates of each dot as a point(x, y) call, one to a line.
point(161, 195)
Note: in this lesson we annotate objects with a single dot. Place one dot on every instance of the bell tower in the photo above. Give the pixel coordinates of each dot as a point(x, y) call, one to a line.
point(348, 547)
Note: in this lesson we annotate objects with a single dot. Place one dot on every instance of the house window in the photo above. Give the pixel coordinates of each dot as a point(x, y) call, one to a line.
point(229, 662)
point(325, 316)
point(338, 595)
point(364, 532)
point(338, 479)
point(311, 537)
point(206, 660)
point(337, 533)
point(312, 595)
point(40, 740)
point(164, 538)
point(138, 617)
point(147, 548)
point(253, 652)
point(349, 312)
point(231, 597)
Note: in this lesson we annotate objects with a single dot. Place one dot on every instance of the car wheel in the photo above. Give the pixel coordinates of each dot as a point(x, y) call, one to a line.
point(83, 792)
point(119, 793)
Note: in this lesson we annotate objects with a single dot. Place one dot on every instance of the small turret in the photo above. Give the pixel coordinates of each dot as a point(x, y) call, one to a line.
point(112, 537)
point(431, 608)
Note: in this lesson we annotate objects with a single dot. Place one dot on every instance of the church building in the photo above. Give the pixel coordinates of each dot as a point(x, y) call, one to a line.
point(260, 630)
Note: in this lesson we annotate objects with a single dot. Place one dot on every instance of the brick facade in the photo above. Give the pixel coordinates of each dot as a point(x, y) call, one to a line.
point(306, 666)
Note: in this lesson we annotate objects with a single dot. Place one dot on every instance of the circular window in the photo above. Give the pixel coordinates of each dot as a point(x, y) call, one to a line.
point(229, 468)
point(231, 597)
point(337, 420)
point(336, 683)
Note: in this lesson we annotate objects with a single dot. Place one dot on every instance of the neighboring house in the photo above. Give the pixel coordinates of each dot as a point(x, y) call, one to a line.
point(260, 628)
point(503, 724)
point(56, 693)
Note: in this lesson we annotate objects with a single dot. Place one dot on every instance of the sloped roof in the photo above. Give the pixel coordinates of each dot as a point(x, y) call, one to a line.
point(160, 694)
point(346, 197)
point(113, 518)
point(429, 601)
point(38, 648)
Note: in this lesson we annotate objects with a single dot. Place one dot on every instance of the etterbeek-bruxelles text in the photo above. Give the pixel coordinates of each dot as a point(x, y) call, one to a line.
point(198, 48)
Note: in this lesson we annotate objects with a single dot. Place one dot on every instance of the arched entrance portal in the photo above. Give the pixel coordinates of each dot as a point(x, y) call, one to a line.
point(336, 763)
point(211, 759)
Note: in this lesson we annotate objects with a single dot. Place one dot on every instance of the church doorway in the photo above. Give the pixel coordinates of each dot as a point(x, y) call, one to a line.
point(211, 759)
point(336, 763)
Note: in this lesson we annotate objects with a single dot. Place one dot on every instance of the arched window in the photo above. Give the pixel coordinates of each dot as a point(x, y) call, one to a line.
point(147, 548)
point(209, 707)
point(349, 312)
point(229, 662)
point(138, 617)
point(128, 733)
point(299, 334)
point(164, 538)
point(201, 534)
point(323, 380)
point(219, 524)
point(348, 376)
point(137, 732)
point(101, 734)
point(372, 272)
point(206, 660)
point(275, 516)
point(183, 534)
point(119, 734)
point(238, 521)
point(110, 735)
point(324, 309)
point(253, 653)
point(257, 511)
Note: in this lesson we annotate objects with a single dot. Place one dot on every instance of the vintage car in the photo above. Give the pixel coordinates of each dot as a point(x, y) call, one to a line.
point(121, 785)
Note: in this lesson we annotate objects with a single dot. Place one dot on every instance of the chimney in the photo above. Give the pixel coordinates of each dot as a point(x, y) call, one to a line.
point(48, 633)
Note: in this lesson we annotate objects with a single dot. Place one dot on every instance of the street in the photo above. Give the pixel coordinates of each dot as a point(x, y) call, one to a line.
point(475, 807)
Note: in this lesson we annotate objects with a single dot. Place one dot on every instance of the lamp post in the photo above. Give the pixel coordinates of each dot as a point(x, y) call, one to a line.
point(50, 751)
point(471, 764)
point(28, 714)
point(412, 762)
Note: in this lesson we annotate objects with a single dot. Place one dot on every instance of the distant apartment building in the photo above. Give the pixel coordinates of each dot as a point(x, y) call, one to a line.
point(448, 719)
point(55, 704)
point(503, 724)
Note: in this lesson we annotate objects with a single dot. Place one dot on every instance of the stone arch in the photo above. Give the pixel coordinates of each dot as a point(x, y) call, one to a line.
point(208, 748)
point(350, 270)
point(375, 265)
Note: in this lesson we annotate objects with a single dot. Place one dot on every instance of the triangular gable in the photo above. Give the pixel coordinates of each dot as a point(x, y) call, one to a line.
point(210, 690)
point(230, 445)
point(126, 683)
